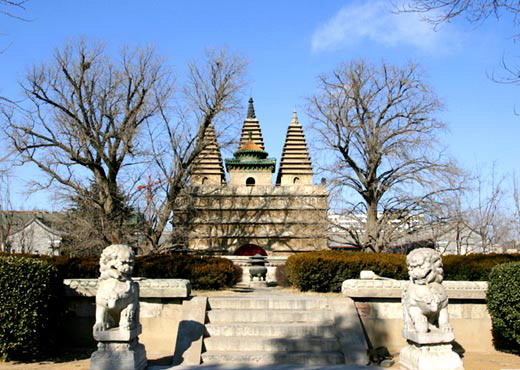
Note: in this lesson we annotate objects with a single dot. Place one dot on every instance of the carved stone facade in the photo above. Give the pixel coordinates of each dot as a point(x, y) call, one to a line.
point(250, 213)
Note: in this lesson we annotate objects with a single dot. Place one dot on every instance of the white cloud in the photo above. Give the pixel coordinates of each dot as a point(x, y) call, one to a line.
point(376, 21)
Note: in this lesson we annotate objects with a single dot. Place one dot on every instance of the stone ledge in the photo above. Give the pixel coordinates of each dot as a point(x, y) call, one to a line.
point(358, 288)
point(148, 288)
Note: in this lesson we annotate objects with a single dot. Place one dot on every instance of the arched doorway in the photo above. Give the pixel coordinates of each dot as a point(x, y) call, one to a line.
point(250, 250)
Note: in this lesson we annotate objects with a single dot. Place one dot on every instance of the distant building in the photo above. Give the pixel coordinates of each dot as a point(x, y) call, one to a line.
point(32, 232)
point(248, 214)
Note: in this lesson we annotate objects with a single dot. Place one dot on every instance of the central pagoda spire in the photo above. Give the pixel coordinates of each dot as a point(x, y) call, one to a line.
point(251, 109)
point(251, 127)
point(250, 165)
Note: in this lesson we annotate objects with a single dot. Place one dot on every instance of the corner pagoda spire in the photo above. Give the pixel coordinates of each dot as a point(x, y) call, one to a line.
point(295, 165)
point(208, 168)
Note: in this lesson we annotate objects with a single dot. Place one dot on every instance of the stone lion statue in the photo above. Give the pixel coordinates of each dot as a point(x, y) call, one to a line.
point(425, 302)
point(117, 298)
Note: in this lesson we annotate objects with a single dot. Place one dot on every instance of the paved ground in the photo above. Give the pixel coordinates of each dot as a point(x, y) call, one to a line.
point(472, 361)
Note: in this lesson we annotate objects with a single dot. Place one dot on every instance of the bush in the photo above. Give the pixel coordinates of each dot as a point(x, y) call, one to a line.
point(474, 267)
point(213, 273)
point(503, 302)
point(281, 276)
point(28, 306)
point(325, 271)
point(203, 272)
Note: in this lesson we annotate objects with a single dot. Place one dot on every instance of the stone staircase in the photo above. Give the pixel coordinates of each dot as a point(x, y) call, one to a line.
point(264, 330)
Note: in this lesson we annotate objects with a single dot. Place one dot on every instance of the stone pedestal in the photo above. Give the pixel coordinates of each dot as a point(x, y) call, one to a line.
point(430, 357)
point(118, 349)
point(119, 356)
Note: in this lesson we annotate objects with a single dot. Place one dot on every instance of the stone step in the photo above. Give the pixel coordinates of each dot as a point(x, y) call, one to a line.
point(271, 303)
point(271, 344)
point(291, 330)
point(260, 315)
point(260, 358)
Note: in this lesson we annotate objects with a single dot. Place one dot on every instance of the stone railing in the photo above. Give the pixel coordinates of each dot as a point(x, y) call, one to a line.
point(360, 288)
point(148, 288)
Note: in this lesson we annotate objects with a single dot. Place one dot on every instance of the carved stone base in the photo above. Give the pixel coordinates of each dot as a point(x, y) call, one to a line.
point(432, 337)
point(119, 356)
point(430, 357)
point(258, 284)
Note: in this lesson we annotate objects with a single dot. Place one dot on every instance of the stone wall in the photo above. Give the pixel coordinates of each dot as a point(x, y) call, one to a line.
point(281, 219)
point(160, 310)
point(379, 306)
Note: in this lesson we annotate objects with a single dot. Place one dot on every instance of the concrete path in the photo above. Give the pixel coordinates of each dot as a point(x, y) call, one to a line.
point(264, 367)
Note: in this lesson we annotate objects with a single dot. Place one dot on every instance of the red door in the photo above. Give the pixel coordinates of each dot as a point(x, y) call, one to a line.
point(250, 250)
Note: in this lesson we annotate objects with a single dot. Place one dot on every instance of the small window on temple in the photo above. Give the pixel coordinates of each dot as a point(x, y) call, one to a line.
point(296, 180)
point(204, 180)
point(250, 181)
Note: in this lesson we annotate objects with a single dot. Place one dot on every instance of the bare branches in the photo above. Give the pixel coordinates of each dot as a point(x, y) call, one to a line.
point(83, 117)
point(10, 8)
point(378, 125)
point(211, 96)
point(442, 11)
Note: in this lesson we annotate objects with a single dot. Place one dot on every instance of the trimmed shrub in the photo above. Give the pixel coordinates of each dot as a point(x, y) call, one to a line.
point(203, 272)
point(474, 267)
point(28, 306)
point(207, 273)
point(281, 276)
point(325, 271)
point(213, 273)
point(503, 302)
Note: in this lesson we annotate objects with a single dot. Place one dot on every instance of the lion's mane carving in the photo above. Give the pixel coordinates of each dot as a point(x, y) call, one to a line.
point(425, 302)
point(117, 298)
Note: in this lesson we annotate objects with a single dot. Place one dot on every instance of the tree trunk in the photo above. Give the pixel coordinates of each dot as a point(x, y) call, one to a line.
point(371, 237)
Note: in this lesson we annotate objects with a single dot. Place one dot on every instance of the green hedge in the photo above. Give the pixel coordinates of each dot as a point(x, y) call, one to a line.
point(28, 306)
point(324, 271)
point(474, 267)
point(207, 273)
point(503, 302)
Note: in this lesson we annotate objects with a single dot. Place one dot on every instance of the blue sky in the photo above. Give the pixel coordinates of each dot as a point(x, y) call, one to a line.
point(288, 44)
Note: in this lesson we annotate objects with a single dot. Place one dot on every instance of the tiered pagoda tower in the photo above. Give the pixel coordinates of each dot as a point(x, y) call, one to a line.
point(295, 166)
point(249, 214)
point(208, 169)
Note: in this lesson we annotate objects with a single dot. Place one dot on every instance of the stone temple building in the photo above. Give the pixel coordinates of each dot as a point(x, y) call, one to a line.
point(246, 213)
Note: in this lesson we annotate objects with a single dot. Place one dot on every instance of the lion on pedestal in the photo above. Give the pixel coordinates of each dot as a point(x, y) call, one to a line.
point(117, 299)
point(425, 301)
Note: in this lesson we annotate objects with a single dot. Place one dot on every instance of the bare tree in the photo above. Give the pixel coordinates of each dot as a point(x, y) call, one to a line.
point(376, 126)
point(82, 122)
point(210, 97)
point(446, 222)
point(11, 8)
point(486, 214)
point(7, 221)
point(441, 11)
